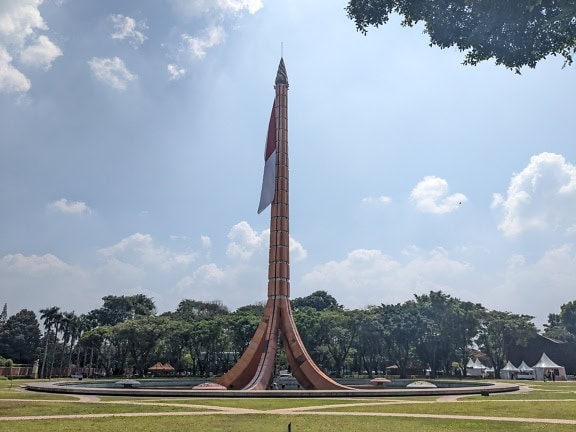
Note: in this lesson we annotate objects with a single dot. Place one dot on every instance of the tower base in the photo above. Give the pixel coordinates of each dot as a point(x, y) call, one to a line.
point(256, 368)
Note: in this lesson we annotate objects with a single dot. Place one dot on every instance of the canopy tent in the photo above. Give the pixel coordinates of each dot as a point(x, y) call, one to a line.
point(475, 368)
point(525, 371)
point(161, 368)
point(509, 371)
point(546, 366)
point(158, 367)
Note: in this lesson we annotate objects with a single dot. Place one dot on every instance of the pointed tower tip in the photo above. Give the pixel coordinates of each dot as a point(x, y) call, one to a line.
point(281, 75)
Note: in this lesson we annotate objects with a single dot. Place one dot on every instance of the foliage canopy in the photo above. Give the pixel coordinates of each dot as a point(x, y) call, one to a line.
point(515, 33)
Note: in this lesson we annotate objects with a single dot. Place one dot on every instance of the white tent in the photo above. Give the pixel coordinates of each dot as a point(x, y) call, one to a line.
point(475, 368)
point(509, 371)
point(525, 371)
point(546, 366)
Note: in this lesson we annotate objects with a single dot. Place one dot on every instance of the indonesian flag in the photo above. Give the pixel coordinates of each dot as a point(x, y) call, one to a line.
point(269, 179)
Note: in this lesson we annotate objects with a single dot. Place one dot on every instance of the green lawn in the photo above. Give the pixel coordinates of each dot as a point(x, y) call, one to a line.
point(546, 410)
point(36, 408)
point(545, 401)
point(269, 423)
point(263, 404)
point(14, 390)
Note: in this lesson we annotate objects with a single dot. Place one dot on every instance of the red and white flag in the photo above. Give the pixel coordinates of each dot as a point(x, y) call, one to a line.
point(270, 154)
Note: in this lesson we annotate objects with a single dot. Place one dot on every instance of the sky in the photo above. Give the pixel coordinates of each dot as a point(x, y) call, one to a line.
point(131, 156)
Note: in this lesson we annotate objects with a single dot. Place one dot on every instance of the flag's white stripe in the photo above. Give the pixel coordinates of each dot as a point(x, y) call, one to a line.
point(268, 183)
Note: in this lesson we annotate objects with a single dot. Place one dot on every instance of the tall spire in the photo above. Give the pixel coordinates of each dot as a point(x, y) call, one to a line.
point(281, 75)
point(256, 368)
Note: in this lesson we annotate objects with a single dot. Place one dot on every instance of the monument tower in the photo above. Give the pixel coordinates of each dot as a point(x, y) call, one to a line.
point(256, 368)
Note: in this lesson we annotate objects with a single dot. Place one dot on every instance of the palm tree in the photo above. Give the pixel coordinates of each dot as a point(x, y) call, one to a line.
point(75, 333)
point(49, 316)
point(58, 318)
point(83, 324)
point(66, 326)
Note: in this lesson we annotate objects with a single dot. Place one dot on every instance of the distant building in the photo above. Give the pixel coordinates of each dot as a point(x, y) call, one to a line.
point(562, 353)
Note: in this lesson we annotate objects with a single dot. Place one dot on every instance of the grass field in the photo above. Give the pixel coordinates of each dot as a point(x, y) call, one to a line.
point(547, 407)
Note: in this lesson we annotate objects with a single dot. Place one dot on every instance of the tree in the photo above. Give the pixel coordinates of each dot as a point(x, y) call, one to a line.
point(81, 324)
point(141, 336)
point(67, 324)
point(207, 343)
point(568, 316)
point(466, 328)
point(562, 326)
point(515, 33)
point(450, 326)
point(49, 316)
point(58, 325)
point(342, 332)
point(499, 331)
point(95, 340)
point(319, 300)
point(255, 309)
point(437, 342)
point(192, 310)
point(402, 324)
point(4, 315)
point(20, 337)
point(314, 334)
point(175, 339)
point(370, 345)
point(117, 309)
point(241, 326)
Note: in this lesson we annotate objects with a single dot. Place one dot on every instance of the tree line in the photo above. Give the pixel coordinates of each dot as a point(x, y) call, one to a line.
point(433, 331)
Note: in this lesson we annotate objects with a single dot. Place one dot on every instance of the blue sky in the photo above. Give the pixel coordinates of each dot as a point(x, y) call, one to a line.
point(131, 158)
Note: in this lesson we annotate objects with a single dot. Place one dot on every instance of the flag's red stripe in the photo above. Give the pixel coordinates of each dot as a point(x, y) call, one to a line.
point(271, 139)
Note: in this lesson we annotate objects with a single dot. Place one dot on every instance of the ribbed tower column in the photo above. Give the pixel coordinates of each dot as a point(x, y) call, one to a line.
point(279, 255)
point(255, 369)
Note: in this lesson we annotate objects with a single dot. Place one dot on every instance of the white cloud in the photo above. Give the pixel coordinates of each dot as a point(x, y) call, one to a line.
point(41, 54)
point(140, 251)
point(33, 264)
point(245, 244)
point(19, 22)
point(242, 279)
point(210, 37)
point(38, 281)
point(252, 6)
point(127, 28)
point(541, 197)
point(536, 288)
point(297, 251)
point(206, 242)
point(11, 79)
point(19, 19)
point(111, 71)
point(235, 285)
point(382, 200)
point(430, 195)
point(244, 241)
point(71, 207)
point(367, 277)
point(216, 15)
point(175, 72)
point(194, 8)
point(497, 199)
point(433, 265)
point(208, 275)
